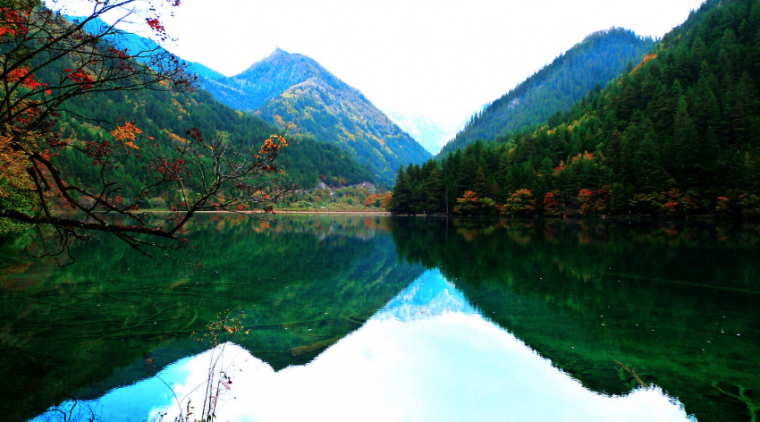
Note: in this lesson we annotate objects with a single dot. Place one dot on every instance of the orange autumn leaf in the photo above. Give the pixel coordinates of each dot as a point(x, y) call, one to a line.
point(127, 133)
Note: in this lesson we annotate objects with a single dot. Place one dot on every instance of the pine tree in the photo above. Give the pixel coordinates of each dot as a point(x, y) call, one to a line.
point(683, 151)
point(650, 175)
point(706, 108)
point(755, 52)
point(467, 172)
point(435, 200)
point(624, 166)
point(479, 185)
point(401, 199)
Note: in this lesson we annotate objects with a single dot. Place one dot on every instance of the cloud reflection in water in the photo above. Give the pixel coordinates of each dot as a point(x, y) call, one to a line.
point(427, 355)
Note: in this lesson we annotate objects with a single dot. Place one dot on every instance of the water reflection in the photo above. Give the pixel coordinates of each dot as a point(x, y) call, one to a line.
point(83, 330)
point(426, 356)
point(610, 307)
point(674, 304)
point(430, 295)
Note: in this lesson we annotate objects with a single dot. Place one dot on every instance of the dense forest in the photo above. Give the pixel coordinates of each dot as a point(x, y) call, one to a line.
point(598, 59)
point(678, 134)
point(167, 116)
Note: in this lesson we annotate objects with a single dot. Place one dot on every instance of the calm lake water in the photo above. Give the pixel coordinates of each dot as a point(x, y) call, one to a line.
point(352, 318)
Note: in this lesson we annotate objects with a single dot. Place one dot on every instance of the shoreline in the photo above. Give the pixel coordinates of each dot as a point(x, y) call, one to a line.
point(332, 212)
point(275, 212)
point(597, 218)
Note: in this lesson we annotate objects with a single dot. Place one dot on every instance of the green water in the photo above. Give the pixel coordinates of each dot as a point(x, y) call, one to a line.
point(676, 305)
point(680, 304)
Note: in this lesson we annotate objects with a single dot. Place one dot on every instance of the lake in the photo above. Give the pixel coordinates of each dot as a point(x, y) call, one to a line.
point(346, 318)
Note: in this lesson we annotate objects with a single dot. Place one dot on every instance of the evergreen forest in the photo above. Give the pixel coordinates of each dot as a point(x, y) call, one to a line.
point(167, 116)
point(598, 59)
point(677, 134)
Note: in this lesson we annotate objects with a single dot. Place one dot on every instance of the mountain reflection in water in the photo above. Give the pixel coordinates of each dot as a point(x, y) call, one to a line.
point(427, 355)
point(614, 306)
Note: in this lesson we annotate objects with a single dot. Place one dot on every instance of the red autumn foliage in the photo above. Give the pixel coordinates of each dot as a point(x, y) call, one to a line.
point(81, 78)
point(551, 205)
point(155, 24)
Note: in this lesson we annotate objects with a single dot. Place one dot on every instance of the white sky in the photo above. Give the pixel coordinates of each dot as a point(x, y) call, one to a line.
point(439, 59)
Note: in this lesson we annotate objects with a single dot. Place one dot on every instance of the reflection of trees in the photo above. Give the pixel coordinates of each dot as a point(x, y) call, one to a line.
point(587, 295)
point(95, 322)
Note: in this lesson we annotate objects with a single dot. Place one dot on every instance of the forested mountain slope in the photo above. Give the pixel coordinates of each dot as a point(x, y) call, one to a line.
point(292, 89)
point(166, 117)
point(596, 60)
point(678, 134)
point(305, 162)
point(265, 79)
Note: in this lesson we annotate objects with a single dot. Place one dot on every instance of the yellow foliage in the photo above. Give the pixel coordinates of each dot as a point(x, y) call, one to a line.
point(13, 175)
point(646, 60)
point(274, 142)
point(380, 141)
point(176, 138)
point(127, 132)
point(179, 106)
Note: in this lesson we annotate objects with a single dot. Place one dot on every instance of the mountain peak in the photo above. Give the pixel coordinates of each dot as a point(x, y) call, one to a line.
point(278, 59)
point(297, 89)
point(279, 52)
point(271, 76)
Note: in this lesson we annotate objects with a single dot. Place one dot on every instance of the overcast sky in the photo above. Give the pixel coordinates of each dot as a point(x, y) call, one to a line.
point(438, 59)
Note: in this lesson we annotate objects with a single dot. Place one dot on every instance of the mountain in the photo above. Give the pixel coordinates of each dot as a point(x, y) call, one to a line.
point(204, 71)
point(596, 60)
point(135, 44)
point(428, 296)
point(264, 80)
point(167, 116)
point(429, 133)
point(292, 89)
point(678, 134)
